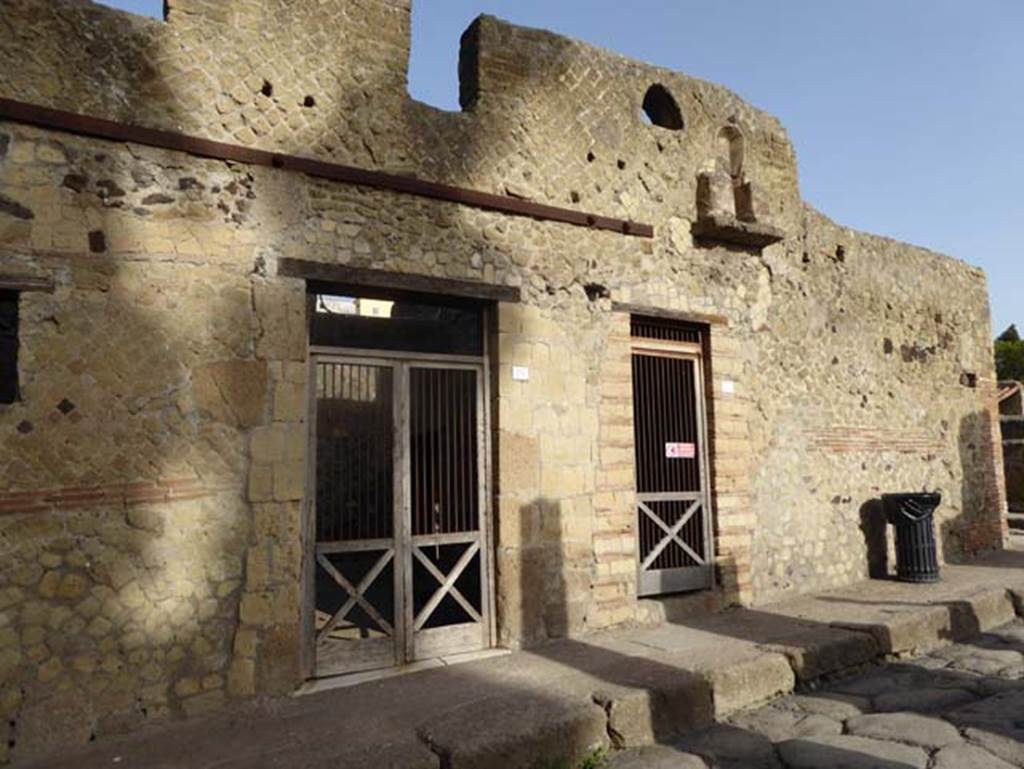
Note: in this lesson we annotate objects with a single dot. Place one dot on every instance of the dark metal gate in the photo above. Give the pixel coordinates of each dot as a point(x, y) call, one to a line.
point(401, 555)
point(674, 541)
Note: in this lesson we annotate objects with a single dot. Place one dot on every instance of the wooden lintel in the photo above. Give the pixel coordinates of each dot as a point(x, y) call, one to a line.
point(328, 275)
point(9, 282)
point(660, 312)
point(86, 125)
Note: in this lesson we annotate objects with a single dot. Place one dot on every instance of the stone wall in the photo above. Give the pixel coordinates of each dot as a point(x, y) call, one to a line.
point(151, 478)
point(865, 327)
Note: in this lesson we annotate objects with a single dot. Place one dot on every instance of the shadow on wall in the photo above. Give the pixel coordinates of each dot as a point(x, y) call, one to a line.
point(554, 586)
point(128, 574)
point(140, 385)
point(874, 527)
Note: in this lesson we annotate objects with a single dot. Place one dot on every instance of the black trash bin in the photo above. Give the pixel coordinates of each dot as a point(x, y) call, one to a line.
point(911, 517)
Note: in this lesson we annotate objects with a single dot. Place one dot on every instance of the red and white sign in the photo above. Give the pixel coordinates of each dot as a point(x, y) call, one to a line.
point(680, 450)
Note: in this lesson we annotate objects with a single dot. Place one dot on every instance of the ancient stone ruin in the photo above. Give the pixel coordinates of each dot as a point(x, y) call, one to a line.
point(302, 377)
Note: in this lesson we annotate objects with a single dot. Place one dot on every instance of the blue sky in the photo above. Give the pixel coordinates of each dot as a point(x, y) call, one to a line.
point(907, 115)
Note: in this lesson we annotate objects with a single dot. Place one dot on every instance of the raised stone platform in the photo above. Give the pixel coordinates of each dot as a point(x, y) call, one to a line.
point(576, 699)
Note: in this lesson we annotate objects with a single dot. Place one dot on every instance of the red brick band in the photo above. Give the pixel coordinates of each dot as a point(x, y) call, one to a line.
point(117, 494)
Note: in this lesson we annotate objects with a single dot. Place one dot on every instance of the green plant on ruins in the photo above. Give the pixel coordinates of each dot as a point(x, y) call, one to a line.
point(1010, 355)
point(595, 759)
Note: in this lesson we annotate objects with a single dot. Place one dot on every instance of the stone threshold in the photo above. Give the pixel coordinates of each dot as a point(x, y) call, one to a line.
point(570, 700)
point(327, 683)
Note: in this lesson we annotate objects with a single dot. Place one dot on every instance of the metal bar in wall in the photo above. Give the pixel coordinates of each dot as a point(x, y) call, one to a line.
point(703, 459)
point(385, 357)
point(445, 538)
point(308, 608)
point(403, 514)
point(351, 546)
point(60, 120)
point(482, 483)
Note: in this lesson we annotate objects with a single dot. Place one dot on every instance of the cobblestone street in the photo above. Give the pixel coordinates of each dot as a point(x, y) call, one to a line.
point(961, 707)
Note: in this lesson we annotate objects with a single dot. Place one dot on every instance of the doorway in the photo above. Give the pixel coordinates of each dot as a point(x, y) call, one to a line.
point(400, 561)
point(674, 531)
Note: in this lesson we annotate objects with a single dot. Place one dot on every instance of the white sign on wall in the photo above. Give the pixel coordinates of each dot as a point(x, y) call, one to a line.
point(680, 450)
point(521, 373)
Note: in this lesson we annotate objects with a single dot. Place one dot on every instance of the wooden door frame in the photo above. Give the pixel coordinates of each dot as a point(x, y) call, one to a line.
point(400, 363)
point(694, 352)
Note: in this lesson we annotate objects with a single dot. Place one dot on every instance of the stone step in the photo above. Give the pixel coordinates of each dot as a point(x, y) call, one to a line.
point(1016, 521)
point(572, 702)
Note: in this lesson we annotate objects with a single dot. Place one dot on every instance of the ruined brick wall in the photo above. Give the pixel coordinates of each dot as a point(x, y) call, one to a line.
point(151, 477)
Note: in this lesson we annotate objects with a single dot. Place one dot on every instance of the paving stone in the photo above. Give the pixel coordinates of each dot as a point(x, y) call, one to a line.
point(985, 666)
point(910, 728)
point(778, 724)
point(967, 757)
point(730, 747)
point(990, 686)
point(1007, 746)
point(997, 709)
point(996, 724)
point(846, 752)
point(946, 678)
point(656, 757)
point(1011, 634)
point(870, 685)
point(983, 660)
point(930, 663)
point(921, 700)
point(832, 705)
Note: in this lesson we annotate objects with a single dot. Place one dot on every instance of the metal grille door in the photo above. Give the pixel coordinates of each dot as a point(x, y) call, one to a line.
point(447, 544)
point(673, 516)
point(401, 549)
point(355, 546)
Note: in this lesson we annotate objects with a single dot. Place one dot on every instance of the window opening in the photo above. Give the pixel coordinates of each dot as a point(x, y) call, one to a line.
point(407, 323)
point(8, 346)
point(660, 109)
